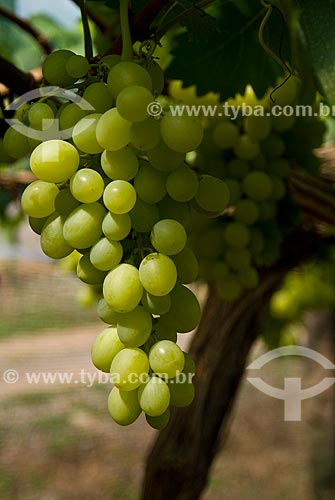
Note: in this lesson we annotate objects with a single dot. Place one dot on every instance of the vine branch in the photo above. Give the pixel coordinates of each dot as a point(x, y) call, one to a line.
point(16, 80)
point(103, 27)
point(28, 28)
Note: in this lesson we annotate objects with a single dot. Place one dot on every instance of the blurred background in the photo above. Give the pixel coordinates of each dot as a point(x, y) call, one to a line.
point(57, 441)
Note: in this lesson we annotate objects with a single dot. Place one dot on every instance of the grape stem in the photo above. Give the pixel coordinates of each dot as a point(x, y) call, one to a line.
point(127, 46)
point(87, 32)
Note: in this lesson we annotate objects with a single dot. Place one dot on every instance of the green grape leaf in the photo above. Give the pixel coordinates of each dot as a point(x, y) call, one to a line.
point(233, 56)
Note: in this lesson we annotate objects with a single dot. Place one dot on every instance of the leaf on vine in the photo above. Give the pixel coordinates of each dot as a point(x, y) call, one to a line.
point(233, 57)
point(199, 24)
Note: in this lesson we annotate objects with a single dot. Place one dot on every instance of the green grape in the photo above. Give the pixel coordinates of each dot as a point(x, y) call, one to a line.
point(157, 76)
point(248, 277)
point(257, 127)
point(98, 96)
point(259, 163)
point(165, 159)
point(235, 192)
point(159, 422)
point(156, 305)
point(87, 185)
point(246, 148)
point(123, 406)
point(120, 165)
point(54, 68)
point(87, 273)
point(158, 274)
point(229, 288)
point(273, 146)
point(154, 397)
point(132, 103)
point(37, 223)
point(111, 60)
point(82, 227)
point(256, 243)
point(181, 133)
point(225, 135)
point(143, 216)
point(52, 240)
point(168, 236)
point(182, 184)
point(126, 74)
point(65, 203)
point(122, 288)
point(279, 167)
point(236, 234)
point(15, 144)
point(238, 168)
point(220, 270)
point(129, 368)
point(54, 161)
point(113, 131)
point(282, 123)
point(287, 93)
point(166, 359)
point(184, 313)
point(164, 331)
point(38, 199)
point(116, 226)
point(267, 210)
point(134, 327)
point(77, 66)
point(237, 258)
point(40, 116)
point(84, 134)
point(187, 265)
point(106, 254)
point(106, 313)
point(119, 197)
point(181, 393)
point(172, 209)
point(150, 184)
point(246, 211)
point(215, 244)
point(104, 349)
point(70, 115)
point(212, 194)
point(257, 185)
point(278, 188)
point(145, 135)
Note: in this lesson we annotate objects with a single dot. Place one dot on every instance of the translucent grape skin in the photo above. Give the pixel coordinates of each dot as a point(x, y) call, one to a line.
point(158, 274)
point(156, 305)
point(166, 359)
point(129, 368)
point(132, 103)
point(212, 194)
point(54, 68)
point(82, 227)
point(89, 274)
point(184, 313)
point(168, 236)
point(84, 134)
point(105, 347)
point(126, 74)
point(182, 184)
point(181, 133)
point(38, 199)
point(106, 254)
point(119, 197)
point(87, 185)
point(154, 396)
point(120, 165)
point(159, 422)
point(181, 392)
point(54, 161)
point(122, 288)
point(134, 327)
point(106, 313)
point(52, 240)
point(113, 131)
point(123, 406)
point(116, 226)
point(150, 184)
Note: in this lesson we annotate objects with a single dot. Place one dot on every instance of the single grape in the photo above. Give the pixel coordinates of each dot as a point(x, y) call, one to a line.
point(122, 288)
point(158, 274)
point(99, 97)
point(120, 165)
point(70, 115)
point(172, 209)
point(150, 184)
point(187, 265)
point(181, 133)
point(41, 116)
point(119, 197)
point(235, 192)
point(126, 74)
point(181, 392)
point(182, 184)
point(129, 368)
point(145, 135)
point(212, 194)
point(15, 144)
point(237, 258)
point(106, 254)
point(113, 131)
point(246, 211)
point(89, 274)
point(105, 347)
point(143, 216)
point(166, 359)
point(236, 234)
point(54, 68)
point(248, 277)
point(229, 288)
point(110, 60)
point(106, 313)
point(134, 327)
point(225, 135)
point(37, 223)
point(156, 305)
point(52, 240)
point(87, 185)
point(154, 397)
point(257, 185)
point(184, 314)
point(38, 199)
point(157, 76)
point(165, 159)
point(116, 226)
point(163, 331)
point(77, 66)
point(132, 103)
point(84, 134)
point(168, 236)
point(257, 127)
point(159, 422)
point(123, 406)
point(246, 148)
point(82, 227)
point(65, 203)
point(54, 161)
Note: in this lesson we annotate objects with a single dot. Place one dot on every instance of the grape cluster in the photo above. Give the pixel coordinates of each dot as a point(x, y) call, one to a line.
point(117, 198)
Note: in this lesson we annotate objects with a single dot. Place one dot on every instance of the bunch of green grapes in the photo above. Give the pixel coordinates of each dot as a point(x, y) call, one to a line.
point(118, 194)
point(251, 156)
